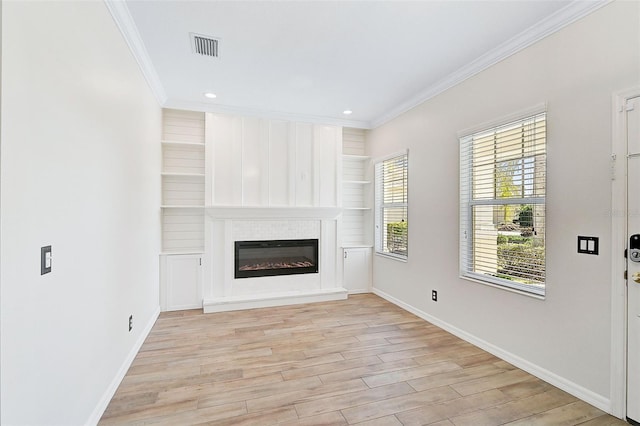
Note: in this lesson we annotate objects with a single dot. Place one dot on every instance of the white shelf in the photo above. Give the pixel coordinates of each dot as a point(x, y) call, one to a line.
point(350, 246)
point(356, 208)
point(166, 206)
point(182, 143)
point(356, 182)
point(185, 251)
point(198, 175)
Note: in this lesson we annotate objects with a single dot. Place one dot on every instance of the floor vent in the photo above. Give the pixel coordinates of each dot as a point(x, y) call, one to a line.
point(205, 45)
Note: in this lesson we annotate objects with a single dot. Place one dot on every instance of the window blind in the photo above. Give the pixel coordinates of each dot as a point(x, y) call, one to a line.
point(391, 206)
point(502, 204)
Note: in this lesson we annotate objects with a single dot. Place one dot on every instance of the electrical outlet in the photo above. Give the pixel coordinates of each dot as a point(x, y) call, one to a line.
point(130, 322)
point(434, 295)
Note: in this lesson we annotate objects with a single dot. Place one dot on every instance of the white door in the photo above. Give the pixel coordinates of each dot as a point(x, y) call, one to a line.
point(183, 282)
point(357, 270)
point(633, 267)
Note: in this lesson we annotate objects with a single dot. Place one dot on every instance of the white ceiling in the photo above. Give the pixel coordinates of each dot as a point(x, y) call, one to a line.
point(313, 59)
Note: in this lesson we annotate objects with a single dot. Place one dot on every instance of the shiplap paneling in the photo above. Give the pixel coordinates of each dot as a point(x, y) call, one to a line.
point(353, 196)
point(356, 190)
point(183, 230)
point(183, 152)
point(353, 141)
point(353, 228)
point(183, 159)
point(182, 191)
point(183, 126)
point(354, 170)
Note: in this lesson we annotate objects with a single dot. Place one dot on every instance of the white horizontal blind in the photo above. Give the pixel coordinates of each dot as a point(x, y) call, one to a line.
point(502, 204)
point(391, 206)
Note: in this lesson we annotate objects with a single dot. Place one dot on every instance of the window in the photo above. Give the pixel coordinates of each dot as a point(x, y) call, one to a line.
point(502, 205)
point(392, 227)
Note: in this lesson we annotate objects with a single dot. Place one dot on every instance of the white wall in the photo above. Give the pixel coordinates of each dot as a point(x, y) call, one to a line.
point(80, 171)
point(575, 72)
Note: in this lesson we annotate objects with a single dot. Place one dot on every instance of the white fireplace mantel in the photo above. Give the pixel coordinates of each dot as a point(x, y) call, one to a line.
point(270, 213)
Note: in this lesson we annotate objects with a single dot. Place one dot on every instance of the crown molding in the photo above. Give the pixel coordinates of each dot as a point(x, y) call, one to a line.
point(255, 112)
point(574, 11)
point(122, 17)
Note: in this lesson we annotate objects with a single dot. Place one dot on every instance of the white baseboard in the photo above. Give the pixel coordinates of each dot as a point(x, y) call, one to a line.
point(280, 299)
point(566, 385)
point(113, 387)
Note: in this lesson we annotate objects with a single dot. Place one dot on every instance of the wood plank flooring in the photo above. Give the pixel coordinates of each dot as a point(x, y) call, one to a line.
point(359, 361)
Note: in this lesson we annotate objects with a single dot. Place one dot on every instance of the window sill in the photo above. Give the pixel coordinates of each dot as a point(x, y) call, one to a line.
point(392, 257)
point(505, 288)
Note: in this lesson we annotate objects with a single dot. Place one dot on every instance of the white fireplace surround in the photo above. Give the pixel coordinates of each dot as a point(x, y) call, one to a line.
point(225, 225)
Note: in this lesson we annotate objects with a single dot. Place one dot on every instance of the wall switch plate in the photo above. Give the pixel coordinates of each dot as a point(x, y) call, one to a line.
point(588, 245)
point(45, 260)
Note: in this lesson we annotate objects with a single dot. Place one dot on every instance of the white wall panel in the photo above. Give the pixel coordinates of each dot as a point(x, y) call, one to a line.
point(304, 183)
point(253, 172)
point(227, 160)
point(279, 163)
point(328, 142)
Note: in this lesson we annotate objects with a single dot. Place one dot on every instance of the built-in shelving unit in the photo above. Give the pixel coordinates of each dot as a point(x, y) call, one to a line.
point(356, 225)
point(356, 190)
point(183, 182)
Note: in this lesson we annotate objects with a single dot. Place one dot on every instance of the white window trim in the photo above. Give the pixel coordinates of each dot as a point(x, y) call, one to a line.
point(376, 214)
point(465, 207)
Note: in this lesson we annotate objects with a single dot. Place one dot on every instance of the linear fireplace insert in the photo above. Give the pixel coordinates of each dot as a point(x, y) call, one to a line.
point(275, 257)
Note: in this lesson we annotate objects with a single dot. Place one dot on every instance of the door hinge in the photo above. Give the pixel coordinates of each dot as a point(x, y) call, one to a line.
point(625, 275)
point(625, 253)
point(200, 261)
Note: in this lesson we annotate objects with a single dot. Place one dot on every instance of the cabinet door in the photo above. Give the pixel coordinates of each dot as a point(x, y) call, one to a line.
point(183, 282)
point(357, 270)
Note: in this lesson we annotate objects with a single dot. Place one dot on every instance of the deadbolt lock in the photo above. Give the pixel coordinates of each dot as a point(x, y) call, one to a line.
point(636, 277)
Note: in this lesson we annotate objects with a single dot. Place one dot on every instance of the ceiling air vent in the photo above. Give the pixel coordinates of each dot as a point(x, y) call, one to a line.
point(205, 45)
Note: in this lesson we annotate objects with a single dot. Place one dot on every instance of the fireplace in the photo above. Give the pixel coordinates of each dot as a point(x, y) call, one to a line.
point(275, 257)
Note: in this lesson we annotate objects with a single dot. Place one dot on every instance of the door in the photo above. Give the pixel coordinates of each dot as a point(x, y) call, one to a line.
point(633, 267)
point(183, 282)
point(357, 269)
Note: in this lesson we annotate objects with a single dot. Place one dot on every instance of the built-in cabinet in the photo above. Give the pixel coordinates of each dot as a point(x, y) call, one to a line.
point(183, 202)
point(225, 174)
point(181, 282)
point(357, 215)
point(357, 269)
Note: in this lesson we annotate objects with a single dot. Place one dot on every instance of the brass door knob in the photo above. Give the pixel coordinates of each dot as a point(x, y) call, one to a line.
point(636, 277)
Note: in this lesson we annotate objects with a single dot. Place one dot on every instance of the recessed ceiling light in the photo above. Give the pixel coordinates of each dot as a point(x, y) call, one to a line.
point(347, 112)
point(210, 95)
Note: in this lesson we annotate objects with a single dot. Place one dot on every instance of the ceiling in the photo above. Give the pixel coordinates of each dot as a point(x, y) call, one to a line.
point(311, 60)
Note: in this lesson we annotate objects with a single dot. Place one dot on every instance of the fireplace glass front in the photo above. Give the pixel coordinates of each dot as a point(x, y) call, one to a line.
point(275, 257)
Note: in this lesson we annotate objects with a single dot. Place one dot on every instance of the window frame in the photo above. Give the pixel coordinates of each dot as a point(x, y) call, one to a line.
point(466, 245)
point(379, 207)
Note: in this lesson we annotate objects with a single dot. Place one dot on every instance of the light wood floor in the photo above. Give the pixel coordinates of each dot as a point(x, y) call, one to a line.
point(361, 361)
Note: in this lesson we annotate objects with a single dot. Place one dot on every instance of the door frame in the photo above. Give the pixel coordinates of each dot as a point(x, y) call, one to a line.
point(618, 213)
